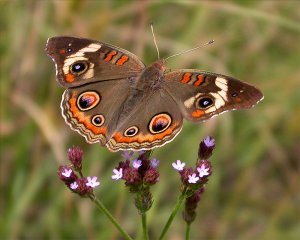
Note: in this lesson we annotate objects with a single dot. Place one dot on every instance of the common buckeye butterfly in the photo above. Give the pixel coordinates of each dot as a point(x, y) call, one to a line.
point(114, 99)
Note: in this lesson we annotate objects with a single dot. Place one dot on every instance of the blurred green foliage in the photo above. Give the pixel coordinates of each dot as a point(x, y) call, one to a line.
point(254, 190)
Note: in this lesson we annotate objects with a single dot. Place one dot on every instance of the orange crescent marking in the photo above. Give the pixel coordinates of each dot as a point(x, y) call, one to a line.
point(238, 99)
point(70, 77)
point(199, 81)
point(110, 56)
point(62, 51)
point(140, 138)
point(186, 77)
point(198, 113)
point(85, 120)
point(122, 60)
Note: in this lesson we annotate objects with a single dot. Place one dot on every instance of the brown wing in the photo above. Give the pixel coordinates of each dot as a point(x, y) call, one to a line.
point(201, 95)
point(79, 61)
point(154, 121)
point(93, 109)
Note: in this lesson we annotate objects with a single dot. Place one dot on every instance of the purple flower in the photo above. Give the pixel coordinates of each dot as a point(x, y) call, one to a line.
point(193, 178)
point(203, 171)
point(74, 185)
point(136, 163)
point(83, 188)
point(185, 174)
point(118, 174)
point(178, 165)
point(154, 162)
point(209, 141)
point(67, 172)
point(206, 148)
point(92, 182)
point(127, 154)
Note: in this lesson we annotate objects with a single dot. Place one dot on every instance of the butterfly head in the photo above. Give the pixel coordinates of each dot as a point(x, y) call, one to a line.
point(160, 65)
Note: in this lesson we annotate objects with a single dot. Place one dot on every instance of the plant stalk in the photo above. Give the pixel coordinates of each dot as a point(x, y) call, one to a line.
point(187, 231)
point(145, 227)
point(103, 209)
point(173, 214)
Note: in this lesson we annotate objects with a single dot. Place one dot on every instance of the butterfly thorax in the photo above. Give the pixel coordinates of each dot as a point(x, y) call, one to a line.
point(150, 79)
point(143, 86)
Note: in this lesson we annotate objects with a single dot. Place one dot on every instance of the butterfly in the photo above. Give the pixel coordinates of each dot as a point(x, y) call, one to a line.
point(112, 98)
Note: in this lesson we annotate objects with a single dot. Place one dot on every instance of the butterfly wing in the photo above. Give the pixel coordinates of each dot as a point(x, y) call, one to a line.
point(79, 61)
point(93, 109)
point(153, 121)
point(201, 95)
point(111, 99)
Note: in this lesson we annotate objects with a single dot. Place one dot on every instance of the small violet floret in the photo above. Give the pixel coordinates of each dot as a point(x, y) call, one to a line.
point(193, 178)
point(154, 162)
point(178, 165)
point(209, 141)
point(203, 171)
point(118, 174)
point(67, 172)
point(74, 185)
point(92, 182)
point(136, 163)
point(127, 154)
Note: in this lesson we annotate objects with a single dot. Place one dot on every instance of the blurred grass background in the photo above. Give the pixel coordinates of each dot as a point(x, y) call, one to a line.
point(254, 190)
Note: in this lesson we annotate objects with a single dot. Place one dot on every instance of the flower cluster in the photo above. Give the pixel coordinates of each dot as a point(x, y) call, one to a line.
point(139, 174)
point(193, 179)
point(72, 175)
point(197, 176)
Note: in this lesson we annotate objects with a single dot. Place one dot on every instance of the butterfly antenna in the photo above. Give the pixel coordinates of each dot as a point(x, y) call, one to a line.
point(190, 50)
point(151, 25)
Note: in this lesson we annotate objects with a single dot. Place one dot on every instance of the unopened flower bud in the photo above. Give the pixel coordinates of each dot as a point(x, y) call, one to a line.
point(131, 176)
point(75, 156)
point(206, 147)
point(143, 201)
point(191, 203)
point(151, 176)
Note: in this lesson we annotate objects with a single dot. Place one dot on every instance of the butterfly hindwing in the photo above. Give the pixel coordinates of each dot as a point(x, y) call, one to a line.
point(152, 122)
point(93, 109)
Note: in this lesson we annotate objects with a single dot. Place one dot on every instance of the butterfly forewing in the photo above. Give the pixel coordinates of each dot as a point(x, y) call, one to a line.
point(79, 61)
point(201, 95)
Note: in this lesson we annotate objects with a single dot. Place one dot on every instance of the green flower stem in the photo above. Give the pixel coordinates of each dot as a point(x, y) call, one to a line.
point(187, 231)
point(102, 208)
point(145, 227)
point(173, 214)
